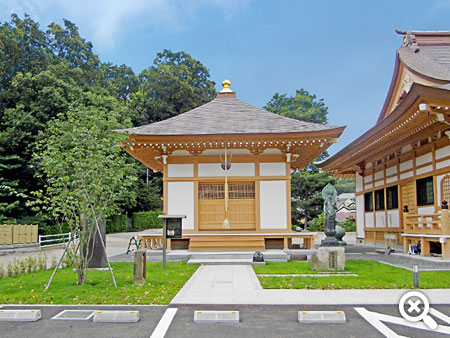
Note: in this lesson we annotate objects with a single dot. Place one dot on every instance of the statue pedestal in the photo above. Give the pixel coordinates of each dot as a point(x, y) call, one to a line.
point(329, 258)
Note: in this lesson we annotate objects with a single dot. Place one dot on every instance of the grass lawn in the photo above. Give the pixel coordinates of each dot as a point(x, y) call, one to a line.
point(162, 286)
point(371, 275)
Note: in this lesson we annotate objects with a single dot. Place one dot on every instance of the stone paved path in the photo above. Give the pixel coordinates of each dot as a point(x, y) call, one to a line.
point(238, 284)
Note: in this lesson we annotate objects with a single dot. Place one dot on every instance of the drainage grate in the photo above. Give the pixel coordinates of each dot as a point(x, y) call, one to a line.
point(311, 317)
point(216, 317)
point(20, 315)
point(74, 315)
point(115, 316)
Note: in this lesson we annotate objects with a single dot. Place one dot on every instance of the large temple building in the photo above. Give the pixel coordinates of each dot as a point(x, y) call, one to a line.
point(227, 166)
point(402, 164)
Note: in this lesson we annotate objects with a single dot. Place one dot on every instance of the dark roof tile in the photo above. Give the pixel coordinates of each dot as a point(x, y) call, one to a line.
point(226, 116)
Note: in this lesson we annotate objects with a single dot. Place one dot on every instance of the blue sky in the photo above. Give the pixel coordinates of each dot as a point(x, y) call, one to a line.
point(342, 51)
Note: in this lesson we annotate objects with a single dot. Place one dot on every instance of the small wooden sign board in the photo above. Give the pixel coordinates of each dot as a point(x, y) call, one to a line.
point(172, 228)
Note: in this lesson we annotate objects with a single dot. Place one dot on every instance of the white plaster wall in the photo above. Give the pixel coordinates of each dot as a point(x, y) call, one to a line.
point(406, 175)
point(380, 219)
point(442, 164)
point(368, 165)
point(180, 170)
point(378, 183)
point(391, 171)
point(406, 165)
point(425, 210)
point(215, 170)
point(368, 219)
point(180, 153)
point(180, 201)
point(379, 174)
point(360, 216)
point(393, 219)
point(273, 205)
point(272, 169)
point(407, 148)
point(272, 151)
point(368, 186)
point(425, 158)
point(442, 152)
point(391, 179)
point(358, 182)
point(424, 169)
point(367, 178)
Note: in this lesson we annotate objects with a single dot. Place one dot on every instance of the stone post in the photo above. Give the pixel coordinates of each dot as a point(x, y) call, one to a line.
point(98, 260)
point(140, 267)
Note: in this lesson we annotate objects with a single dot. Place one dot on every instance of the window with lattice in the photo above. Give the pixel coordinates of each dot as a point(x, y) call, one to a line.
point(445, 189)
point(241, 190)
point(215, 191)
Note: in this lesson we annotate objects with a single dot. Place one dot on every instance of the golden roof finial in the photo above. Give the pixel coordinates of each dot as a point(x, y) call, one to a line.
point(226, 86)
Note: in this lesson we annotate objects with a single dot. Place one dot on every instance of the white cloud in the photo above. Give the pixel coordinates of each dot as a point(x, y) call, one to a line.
point(107, 21)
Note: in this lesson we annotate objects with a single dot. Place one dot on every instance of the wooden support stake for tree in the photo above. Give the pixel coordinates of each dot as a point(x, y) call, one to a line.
point(59, 263)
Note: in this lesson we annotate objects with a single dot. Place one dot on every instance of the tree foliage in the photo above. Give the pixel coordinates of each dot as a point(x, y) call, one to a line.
point(86, 174)
point(307, 194)
point(45, 73)
point(175, 83)
point(302, 106)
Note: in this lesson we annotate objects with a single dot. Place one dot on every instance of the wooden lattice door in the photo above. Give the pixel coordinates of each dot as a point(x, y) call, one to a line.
point(445, 189)
point(241, 206)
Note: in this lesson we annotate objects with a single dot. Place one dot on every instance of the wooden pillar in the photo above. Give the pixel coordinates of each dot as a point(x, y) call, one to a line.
point(445, 245)
point(424, 246)
point(405, 218)
point(445, 225)
point(286, 243)
point(406, 243)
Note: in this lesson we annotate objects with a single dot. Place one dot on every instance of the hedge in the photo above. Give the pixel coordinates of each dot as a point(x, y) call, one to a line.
point(147, 220)
point(116, 223)
point(142, 220)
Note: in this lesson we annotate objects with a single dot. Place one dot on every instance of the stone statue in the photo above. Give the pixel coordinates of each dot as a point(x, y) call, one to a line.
point(329, 207)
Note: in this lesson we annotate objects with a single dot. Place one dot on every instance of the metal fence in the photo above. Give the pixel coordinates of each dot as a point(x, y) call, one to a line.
point(56, 239)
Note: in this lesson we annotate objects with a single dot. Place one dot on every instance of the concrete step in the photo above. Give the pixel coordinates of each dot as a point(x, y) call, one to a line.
point(184, 255)
point(222, 261)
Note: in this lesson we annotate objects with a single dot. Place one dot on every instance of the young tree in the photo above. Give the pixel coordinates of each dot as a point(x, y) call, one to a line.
point(86, 174)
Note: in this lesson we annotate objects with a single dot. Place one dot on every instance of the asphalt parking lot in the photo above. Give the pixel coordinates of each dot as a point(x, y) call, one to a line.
point(255, 321)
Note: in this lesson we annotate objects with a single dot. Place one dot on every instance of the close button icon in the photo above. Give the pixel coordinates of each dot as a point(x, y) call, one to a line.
point(414, 306)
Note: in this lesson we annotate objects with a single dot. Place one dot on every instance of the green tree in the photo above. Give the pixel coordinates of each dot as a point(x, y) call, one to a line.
point(345, 185)
point(174, 84)
point(302, 106)
point(307, 201)
point(120, 81)
point(306, 185)
point(86, 173)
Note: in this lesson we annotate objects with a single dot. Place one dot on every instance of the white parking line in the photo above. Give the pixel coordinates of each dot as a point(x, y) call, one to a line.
point(164, 323)
point(376, 319)
point(377, 324)
point(440, 315)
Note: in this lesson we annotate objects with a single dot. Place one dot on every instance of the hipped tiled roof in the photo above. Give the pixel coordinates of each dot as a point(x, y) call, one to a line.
point(226, 116)
point(431, 61)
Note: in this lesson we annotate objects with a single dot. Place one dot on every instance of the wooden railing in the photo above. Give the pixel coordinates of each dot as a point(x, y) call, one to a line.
point(427, 224)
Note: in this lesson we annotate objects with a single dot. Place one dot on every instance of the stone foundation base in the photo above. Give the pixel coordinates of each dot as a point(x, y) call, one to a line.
point(328, 259)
